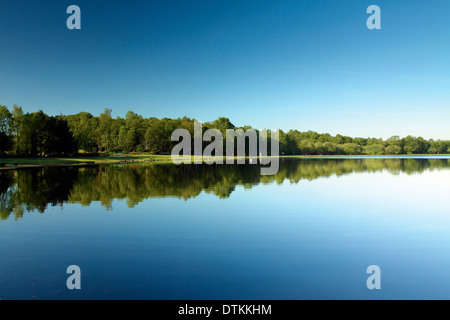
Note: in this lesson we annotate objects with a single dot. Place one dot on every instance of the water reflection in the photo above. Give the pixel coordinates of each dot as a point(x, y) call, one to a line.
point(35, 189)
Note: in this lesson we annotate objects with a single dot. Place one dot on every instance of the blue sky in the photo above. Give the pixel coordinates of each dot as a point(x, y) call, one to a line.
point(306, 65)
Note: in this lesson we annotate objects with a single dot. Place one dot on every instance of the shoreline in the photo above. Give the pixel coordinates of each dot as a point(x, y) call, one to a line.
point(29, 163)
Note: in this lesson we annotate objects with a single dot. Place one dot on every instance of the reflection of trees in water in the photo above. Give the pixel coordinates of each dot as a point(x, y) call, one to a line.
point(136, 183)
point(7, 195)
point(35, 189)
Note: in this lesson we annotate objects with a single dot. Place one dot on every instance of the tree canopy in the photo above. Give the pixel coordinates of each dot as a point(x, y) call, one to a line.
point(37, 134)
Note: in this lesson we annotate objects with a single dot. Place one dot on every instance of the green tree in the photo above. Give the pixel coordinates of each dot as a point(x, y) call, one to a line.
point(393, 150)
point(351, 148)
point(83, 128)
point(17, 117)
point(5, 129)
point(5, 120)
point(105, 123)
point(374, 149)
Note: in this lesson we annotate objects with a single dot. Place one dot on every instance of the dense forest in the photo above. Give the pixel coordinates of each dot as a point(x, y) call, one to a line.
point(37, 134)
point(35, 189)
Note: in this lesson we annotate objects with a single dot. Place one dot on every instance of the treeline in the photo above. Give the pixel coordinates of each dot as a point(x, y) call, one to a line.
point(37, 134)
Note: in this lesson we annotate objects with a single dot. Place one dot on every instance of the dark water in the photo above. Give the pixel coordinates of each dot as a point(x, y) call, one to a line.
point(225, 232)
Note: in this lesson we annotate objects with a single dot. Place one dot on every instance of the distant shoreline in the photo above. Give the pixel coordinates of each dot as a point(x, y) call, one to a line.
point(28, 163)
point(24, 163)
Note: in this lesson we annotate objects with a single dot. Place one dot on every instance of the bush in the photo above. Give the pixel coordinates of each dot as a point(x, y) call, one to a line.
point(393, 150)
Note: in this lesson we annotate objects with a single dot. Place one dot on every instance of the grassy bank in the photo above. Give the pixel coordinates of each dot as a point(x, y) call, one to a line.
point(15, 163)
point(9, 163)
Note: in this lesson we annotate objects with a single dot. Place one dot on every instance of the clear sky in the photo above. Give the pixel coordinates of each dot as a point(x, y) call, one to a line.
point(306, 65)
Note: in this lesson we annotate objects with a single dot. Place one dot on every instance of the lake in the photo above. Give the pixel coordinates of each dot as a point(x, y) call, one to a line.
point(160, 231)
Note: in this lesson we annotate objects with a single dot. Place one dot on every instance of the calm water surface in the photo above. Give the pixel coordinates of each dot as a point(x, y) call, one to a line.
point(225, 232)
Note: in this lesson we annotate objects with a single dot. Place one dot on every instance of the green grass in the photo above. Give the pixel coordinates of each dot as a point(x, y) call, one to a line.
point(111, 159)
point(80, 160)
